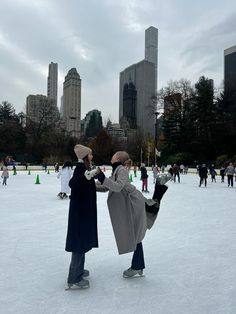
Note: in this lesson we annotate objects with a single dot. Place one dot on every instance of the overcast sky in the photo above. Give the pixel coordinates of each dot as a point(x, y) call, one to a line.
point(102, 37)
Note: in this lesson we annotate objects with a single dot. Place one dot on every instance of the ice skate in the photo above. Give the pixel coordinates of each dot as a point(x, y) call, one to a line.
point(64, 195)
point(59, 195)
point(128, 273)
point(82, 284)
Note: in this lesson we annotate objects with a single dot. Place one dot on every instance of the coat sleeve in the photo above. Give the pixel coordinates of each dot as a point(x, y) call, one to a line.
point(100, 187)
point(118, 185)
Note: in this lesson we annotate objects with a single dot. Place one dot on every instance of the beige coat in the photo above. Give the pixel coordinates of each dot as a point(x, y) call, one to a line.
point(127, 210)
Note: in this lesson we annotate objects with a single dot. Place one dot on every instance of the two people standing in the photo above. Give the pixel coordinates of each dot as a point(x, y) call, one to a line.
point(130, 212)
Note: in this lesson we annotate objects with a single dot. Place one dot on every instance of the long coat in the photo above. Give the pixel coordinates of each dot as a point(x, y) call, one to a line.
point(5, 173)
point(65, 175)
point(82, 220)
point(127, 210)
point(203, 172)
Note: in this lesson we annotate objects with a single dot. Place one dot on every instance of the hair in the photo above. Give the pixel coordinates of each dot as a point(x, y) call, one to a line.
point(123, 157)
point(87, 163)
point(67, 164)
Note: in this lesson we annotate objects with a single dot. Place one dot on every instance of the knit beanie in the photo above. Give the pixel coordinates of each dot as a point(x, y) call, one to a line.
point(82, 151)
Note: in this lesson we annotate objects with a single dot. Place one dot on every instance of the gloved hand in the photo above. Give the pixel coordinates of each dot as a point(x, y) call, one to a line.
point(100, 176)
point(89, 174)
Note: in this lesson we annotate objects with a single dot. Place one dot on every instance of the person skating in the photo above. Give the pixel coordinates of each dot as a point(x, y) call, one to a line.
point(130, 212)
point(175, 170)
point(170, 171)
point(230, 171)
point(65, 174)
point(222, 174)
point(135, 170)
point(56, 167)
point(144, 178)
point(82, 221)
point(213, 173)
point(155, 172)
point(5, 175)
point(202, 171)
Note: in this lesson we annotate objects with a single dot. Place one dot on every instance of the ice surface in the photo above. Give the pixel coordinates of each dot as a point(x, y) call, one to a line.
point(190, 253)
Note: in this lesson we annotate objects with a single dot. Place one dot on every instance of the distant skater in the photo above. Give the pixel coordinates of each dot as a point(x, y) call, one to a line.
point(202, 171)
point(230, 171)
point(176, 170)
point(222, 174)
point(65, 174)
point(5, 175)
point(144, 177)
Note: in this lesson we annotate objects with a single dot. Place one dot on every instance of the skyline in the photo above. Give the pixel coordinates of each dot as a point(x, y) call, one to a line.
point(102, 38)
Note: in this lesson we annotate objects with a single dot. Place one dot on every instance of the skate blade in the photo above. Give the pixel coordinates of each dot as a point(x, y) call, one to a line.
point(76, 288)
point(135, 276)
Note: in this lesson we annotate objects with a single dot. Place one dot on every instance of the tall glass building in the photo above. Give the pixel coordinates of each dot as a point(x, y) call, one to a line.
point(230, 70)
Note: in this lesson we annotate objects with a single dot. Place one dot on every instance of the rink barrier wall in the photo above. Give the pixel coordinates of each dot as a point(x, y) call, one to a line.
point(51, 168)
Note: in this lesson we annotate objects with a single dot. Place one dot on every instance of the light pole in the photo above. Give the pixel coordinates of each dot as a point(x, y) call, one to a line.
point(155, 146)
point(157, 110)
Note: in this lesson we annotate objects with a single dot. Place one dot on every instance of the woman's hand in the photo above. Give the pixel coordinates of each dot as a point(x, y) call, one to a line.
point(89, 174)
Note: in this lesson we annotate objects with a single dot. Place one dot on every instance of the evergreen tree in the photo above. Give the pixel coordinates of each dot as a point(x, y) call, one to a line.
point(203, 116)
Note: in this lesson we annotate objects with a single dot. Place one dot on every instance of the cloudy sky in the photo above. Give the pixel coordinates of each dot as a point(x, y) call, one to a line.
point(102, 37)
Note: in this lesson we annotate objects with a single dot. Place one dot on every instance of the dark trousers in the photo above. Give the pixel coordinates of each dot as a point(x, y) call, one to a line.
point(138, 258)
point(203, 180)
point(230, 180)
point(76, 267)
point(176, 174)
point(144, 184)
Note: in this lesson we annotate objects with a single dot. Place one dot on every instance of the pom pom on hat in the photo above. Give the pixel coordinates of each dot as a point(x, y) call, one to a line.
point(82, 151)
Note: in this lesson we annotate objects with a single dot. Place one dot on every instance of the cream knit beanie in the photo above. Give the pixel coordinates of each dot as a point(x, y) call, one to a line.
point(82, 151)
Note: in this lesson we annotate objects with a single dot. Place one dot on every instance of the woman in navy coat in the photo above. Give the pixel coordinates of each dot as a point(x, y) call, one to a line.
point(82, 220)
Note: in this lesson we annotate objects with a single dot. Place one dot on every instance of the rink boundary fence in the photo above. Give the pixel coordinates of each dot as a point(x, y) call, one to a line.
point(51, 168)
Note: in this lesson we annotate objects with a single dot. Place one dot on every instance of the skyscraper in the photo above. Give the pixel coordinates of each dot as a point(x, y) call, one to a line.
point(52, 81)
point(91, 125)
point(137, 107)
point(230, 85)
point(41, 109)
point(151, 48)
point(230, 70)
point(72, 102)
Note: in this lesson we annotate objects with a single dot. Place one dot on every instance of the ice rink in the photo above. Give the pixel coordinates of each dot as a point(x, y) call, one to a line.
point(190, 253)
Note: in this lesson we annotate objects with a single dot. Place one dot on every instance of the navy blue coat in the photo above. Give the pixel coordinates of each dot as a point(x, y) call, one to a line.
point(144, 174)
point(82, 220)
point(203, 172)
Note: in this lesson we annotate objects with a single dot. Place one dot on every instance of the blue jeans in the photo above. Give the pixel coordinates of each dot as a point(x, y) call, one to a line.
point(76, 268)
point(138, 258)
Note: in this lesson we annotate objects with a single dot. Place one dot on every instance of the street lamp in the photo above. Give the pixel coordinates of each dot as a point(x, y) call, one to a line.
point(156, 111)
point(155, 146)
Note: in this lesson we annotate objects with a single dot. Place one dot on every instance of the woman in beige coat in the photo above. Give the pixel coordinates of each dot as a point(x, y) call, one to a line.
point(130, 212)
